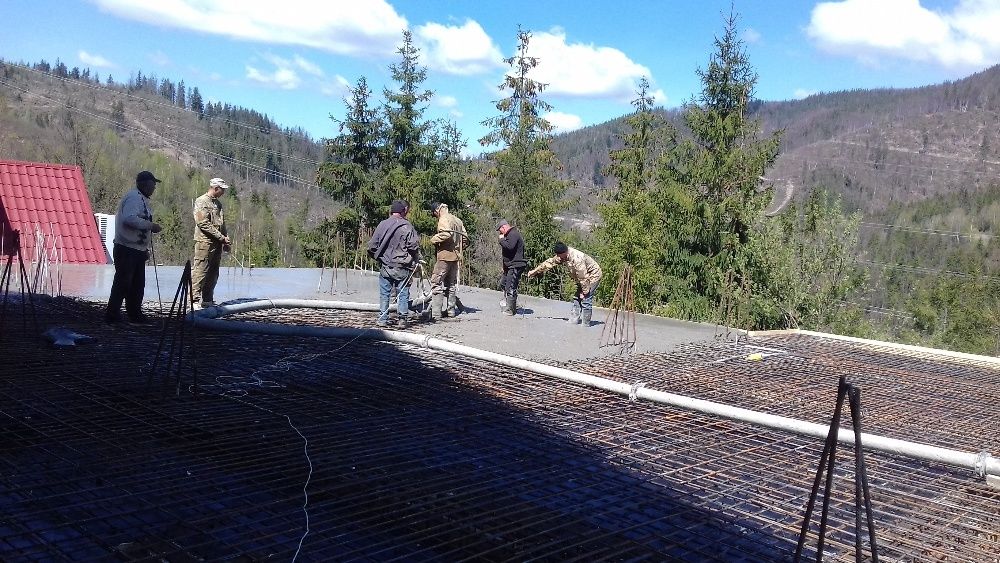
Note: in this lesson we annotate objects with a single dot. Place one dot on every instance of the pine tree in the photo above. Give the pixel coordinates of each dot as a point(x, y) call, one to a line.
point(181, 95)
point(712, 195)
point(197, 104)
point(523, 185)
point(403, 111)
point(631, 231)
point(118, 115)
point(354, 159)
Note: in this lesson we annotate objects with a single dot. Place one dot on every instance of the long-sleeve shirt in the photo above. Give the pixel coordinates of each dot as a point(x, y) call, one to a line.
point(133, 221)
point(450, 236)
point(512, 248)
point(584, 269)
point(209, 224)
point(395, 243)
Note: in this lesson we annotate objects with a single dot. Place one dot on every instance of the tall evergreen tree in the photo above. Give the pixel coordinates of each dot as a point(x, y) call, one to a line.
point(354, 158)
point(631, 232)
point(404, 113)
point(197, 104)
point(712, 194)
point(181, 95)
point(523, 184)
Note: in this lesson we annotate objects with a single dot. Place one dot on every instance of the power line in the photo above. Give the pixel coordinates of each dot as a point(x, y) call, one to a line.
point(834, 159)
point(923, 270)
point(953, 234)
point(225, 159)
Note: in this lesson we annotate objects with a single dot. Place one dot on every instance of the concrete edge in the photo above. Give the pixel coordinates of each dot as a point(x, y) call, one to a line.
point(893, 345)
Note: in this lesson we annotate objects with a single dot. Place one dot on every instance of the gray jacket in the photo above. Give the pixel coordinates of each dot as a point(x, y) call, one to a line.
point(395, 243)
point(133, 220)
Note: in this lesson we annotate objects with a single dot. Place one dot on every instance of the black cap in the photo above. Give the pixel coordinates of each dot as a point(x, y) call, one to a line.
point(145, 176)
point(398, 206)
point(434, 206)
point(560, 247)
point(502, 223)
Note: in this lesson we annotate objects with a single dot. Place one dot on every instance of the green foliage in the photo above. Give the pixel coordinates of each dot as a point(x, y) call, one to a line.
point(709, 190)
point(521, 183)
point(631, 232)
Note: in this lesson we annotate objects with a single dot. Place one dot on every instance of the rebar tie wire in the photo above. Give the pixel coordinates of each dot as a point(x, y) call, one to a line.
point(633, 394)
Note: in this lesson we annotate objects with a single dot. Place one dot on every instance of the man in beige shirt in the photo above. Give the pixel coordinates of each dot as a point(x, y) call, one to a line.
point(582, 268)
point(210, 240)
point(448, 242)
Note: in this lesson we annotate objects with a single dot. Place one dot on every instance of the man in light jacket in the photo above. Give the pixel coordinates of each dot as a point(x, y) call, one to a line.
point(133, 238)
point(210, 241)
point(582, 268)
point(448, 242)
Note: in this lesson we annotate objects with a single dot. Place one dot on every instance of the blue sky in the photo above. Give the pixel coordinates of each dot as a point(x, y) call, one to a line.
point(294, 59)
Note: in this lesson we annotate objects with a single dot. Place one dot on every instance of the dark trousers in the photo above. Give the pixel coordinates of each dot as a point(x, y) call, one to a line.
point(510, 281)
point(130, 281)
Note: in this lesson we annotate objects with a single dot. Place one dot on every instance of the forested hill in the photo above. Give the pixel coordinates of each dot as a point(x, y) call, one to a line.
point(875, 147)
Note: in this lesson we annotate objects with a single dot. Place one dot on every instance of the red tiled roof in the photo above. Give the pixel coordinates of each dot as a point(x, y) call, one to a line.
point(52, 199)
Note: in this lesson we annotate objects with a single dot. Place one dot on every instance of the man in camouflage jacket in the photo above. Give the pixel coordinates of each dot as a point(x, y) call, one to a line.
point(210, 241)
point(582, 268)
point(449, 241)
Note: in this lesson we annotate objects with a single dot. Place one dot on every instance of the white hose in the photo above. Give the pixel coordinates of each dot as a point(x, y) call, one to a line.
point(981, 463)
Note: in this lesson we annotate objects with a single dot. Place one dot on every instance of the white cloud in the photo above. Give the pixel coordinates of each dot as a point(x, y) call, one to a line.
point(583, 70)
point(446, 101)
point(660, 97)
point(339, 87)
point(563, 122)
point(307, 66)
point(284, 78)
point(463, 50)
point(872, 30)
point(159, 58)
point(346, 27)
point(94, 60)
point(751, 35)
point(801, 93)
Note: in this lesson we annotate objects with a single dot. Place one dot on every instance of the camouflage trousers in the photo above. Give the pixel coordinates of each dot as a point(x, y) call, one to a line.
point(205, 271)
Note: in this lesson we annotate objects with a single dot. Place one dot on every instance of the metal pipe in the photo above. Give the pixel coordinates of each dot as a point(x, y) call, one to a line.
point(981, 463)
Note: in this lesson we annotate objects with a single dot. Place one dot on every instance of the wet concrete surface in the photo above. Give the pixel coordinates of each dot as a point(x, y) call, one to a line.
point(538, 332)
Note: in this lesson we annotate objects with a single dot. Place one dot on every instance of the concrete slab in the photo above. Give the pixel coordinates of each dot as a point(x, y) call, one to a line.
point(538, 332)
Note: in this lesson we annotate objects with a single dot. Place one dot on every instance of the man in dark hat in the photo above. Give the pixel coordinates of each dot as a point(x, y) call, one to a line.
point(133, 237)
point(395, 245)
point(512, 249)
point(582, 268)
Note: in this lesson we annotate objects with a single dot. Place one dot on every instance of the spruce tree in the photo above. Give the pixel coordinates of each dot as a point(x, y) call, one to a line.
point(403, 110)
point(523, 186)
point(197, 104)
point(712, 195)
point(631, 231)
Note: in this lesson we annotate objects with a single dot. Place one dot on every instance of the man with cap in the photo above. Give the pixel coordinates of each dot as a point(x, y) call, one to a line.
point(448, 242)
point(582, 268)
point(210, 241)
point(395, 245)
point(133, 237)
point(512, 249)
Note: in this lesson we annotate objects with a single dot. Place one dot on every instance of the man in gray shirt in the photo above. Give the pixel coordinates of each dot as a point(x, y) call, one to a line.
point(395, 245)
point(133, 236)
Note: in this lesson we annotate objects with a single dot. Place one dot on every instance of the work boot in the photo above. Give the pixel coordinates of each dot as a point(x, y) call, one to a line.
point(510, 307)
point(574, 315)
point(586, 316)
point(437, 306)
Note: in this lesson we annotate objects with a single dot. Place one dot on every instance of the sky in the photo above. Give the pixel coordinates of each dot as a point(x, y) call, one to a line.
point(295, 60)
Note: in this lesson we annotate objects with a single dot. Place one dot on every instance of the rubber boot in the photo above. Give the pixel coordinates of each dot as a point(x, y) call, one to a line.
point(574, 316)
point(452, 304)
point(510, 308)
point(437, 306)
point(586, 316)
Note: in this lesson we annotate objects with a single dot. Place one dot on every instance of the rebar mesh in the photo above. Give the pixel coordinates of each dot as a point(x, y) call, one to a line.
point(419, 455)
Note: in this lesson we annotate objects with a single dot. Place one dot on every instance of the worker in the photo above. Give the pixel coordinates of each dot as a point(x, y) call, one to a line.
point(395, 245)
point(449, 241)
point(134, 227)
point(512, 250)
point(210, 241)
point(584, 270)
